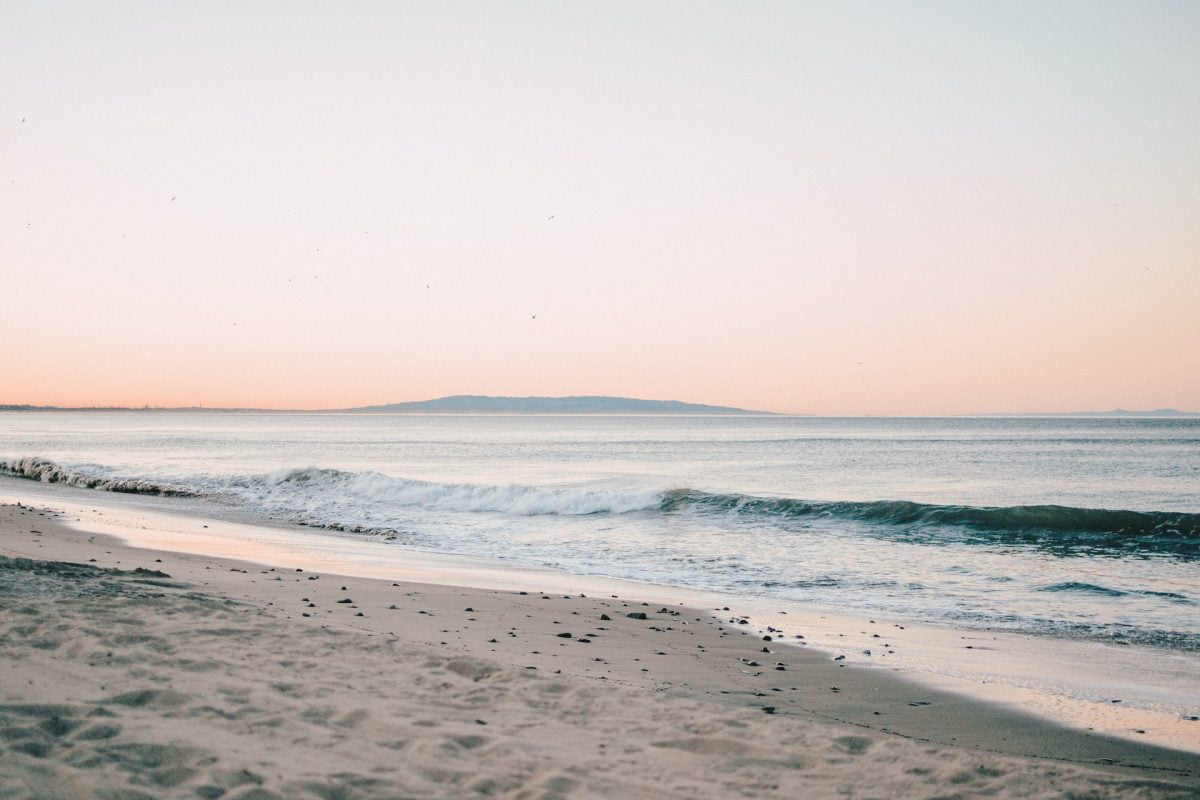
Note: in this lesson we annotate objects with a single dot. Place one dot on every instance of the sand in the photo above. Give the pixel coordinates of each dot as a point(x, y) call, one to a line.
point(132, 673)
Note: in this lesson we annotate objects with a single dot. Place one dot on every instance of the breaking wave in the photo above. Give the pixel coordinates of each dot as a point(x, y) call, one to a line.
point(46, 471)
point(370, 500)
point(1052, 527)
point(513, 499)
point(999, 518)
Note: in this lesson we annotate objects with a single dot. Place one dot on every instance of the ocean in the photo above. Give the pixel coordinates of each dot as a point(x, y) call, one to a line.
point(1074, 528)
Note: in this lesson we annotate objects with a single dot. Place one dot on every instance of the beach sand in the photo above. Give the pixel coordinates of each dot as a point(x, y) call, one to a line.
point(131, 673)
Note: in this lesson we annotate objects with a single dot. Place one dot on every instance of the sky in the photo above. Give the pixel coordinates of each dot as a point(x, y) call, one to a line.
point(837, 208)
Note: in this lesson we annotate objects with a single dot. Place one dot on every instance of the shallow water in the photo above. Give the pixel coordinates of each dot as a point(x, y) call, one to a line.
point(1075, 528)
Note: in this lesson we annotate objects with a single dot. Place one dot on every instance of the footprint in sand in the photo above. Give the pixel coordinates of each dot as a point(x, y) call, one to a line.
point(854, 745)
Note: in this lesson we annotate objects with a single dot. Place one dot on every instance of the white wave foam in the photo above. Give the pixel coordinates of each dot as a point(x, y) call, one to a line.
point(348, 500)
point(513, 499)
point(47, 471)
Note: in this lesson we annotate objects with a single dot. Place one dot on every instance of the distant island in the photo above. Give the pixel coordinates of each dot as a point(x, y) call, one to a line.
point(590, 404)
point(1116, 412)
point(465, 404)
point(585, 404)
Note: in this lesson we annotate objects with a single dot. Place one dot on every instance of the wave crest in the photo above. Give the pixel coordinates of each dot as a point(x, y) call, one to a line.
point(912, 514)
point(47, 471)
point(516, 499)
point(369, 500)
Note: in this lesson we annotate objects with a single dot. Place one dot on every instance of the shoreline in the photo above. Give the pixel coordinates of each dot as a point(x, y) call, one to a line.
point(679, 657)
point(1138, 694)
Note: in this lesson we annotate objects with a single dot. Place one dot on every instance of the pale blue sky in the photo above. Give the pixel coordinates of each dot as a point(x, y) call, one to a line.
point(850, 207)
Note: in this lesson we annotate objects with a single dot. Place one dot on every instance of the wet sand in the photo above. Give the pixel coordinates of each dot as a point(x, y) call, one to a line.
point(208, 677)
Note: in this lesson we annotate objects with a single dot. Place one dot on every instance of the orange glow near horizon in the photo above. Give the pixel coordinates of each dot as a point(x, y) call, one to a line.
point(848, 209)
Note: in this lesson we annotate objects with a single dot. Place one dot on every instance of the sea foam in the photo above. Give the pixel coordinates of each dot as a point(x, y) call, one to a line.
point(371, 500)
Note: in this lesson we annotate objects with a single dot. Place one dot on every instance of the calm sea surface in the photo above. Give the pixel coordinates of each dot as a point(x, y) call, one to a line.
point(1085, 528)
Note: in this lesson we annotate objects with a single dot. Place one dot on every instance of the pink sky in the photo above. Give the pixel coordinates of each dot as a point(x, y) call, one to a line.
point(828, 208)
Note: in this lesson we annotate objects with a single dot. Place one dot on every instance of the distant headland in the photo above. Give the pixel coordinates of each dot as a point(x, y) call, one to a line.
point(1116, 412)
point(588, 404)
point(465, 404)
point(582, 404)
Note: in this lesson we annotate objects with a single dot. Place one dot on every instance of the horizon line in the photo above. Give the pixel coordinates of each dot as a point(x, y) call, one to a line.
point(361, 410)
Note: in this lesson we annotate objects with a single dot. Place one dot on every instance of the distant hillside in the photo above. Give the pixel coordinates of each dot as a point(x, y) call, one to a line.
point(1116, 412)
point(483, 404)
point(1158, 412)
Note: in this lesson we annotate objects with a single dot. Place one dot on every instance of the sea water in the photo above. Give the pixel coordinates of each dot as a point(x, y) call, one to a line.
point(1075, 528)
